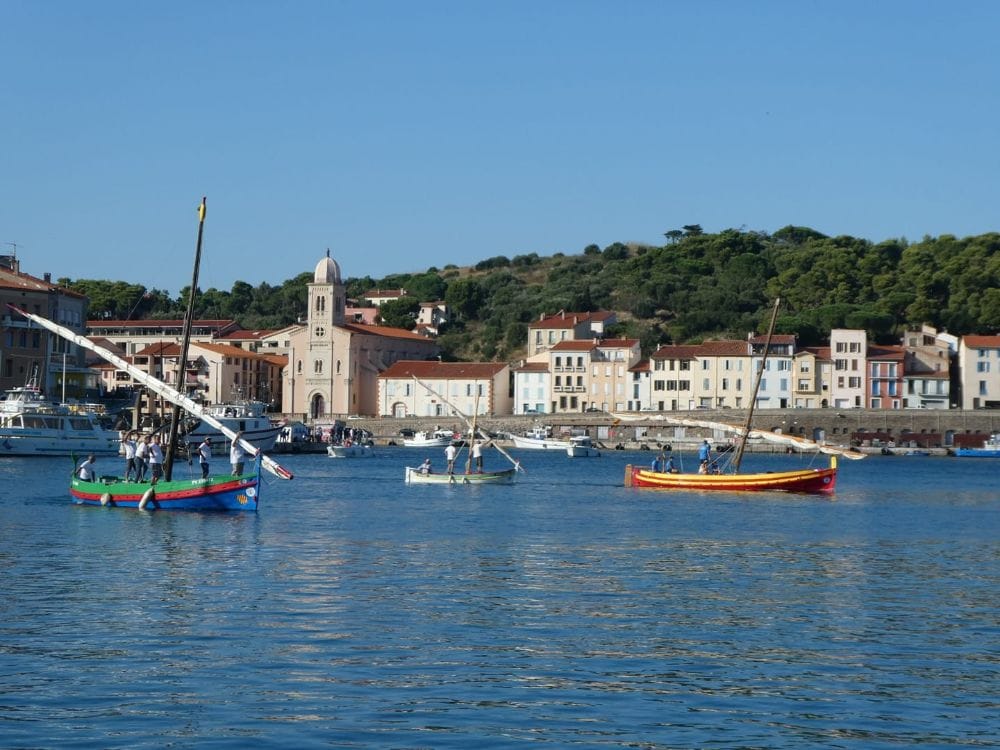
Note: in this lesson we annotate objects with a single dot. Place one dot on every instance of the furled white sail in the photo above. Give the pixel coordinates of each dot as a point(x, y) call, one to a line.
point(791, 441)
point(155, 385)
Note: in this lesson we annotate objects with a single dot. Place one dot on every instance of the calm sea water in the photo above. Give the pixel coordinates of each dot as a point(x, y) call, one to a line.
point(354, 611)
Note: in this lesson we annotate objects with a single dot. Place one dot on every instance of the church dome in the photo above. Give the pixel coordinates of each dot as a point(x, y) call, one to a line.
point(327, 271)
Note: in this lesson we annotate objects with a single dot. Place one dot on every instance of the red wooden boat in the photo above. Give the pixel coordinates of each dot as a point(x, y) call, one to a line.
point(799, 480)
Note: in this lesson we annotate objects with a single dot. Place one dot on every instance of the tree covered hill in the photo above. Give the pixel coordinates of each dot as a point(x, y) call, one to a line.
point(696, 286)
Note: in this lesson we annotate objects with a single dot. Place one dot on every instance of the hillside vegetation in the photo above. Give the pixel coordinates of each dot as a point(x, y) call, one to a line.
point(694, 287)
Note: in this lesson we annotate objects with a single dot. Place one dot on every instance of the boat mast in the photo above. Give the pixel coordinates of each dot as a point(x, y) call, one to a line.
point(738, 458)
point(168, 463)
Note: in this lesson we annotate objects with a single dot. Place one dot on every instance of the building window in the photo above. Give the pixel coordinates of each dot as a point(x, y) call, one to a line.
point(317, 366)
point(320, 332)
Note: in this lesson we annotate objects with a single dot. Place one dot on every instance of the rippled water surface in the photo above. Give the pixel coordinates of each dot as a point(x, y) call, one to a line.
point(354, 611)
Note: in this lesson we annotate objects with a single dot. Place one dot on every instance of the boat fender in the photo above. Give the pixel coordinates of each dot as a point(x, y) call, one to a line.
point(106, 499)
point(147, 496)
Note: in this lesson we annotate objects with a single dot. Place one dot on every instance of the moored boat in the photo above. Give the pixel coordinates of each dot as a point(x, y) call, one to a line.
point(539, 439)
point(581, 446)
point(31, 425)
point(248, 417)
point(416, 476)
point(989, 449)
point(437, 439)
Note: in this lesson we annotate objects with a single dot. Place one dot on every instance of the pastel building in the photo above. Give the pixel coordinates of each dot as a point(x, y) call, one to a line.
point(438, 389)
point(979, 364)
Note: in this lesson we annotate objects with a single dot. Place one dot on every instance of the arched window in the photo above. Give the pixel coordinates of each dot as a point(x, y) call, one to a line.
point(318, 366)
point(300, 367)
point(320, 303)
point(338, 367)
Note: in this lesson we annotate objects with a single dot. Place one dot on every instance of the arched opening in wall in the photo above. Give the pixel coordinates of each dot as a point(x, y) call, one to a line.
point(398, 410)
point(317, 407)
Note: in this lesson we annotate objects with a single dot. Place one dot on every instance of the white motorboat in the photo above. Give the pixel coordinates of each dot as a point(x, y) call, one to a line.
point(437, 439)
point(248, 417)
point(349, 450)
point(581, 446)
point(31, 425)
point(539, 439)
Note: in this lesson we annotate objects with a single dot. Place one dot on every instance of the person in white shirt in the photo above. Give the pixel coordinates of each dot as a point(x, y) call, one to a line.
point(237, 455)
point(155, 460)
point(477, 456)
point(141, 454)
point(87, 472)
point(204, 453)
point(425, 467)
point(128, 445)
point(449, 453)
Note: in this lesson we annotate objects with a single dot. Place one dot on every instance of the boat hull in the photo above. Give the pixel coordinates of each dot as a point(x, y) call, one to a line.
point(539, 444)
point(414, 476)
point(581, 451)
point(214, 493)
point(801, 480)
point(355, 450)
point(978, 452)
point(27, 442)
point(428, 443)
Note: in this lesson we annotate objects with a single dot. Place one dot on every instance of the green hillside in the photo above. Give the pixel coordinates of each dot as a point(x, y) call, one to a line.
point(696, 286)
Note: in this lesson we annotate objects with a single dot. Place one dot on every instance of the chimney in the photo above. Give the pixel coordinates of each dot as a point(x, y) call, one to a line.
point(47, 277)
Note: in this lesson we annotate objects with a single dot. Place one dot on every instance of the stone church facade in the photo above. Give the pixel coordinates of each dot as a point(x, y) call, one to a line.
point(333, 365)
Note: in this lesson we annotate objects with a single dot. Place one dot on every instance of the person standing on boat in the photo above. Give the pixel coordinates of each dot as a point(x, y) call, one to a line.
point(128, 445)
point(141, 455)
point(477, 455)
point(704, 456)
point(657, 465)
point(449, 453)
point(668, 467)
point(155, 460)
point(237, 455)
point(87, 472)
point(204, 453)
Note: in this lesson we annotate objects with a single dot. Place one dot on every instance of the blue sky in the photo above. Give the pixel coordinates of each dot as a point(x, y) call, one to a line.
point(409, 135)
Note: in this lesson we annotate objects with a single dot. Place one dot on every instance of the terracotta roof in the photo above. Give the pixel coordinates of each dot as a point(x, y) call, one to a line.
point(373, 330)
point(16, 280)
point(981, 342)
point(641, 366)
point(574, 345)
point(777, 339)
point(408, 368)
point(532, 367)
point(820, 352)
point(617, 343)
point(160, 349)
point(723, 348)
point(885, 352)
point(674, 351)
point(380, 293)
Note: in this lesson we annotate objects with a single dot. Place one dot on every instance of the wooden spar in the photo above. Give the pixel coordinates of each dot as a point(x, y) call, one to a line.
point(168, 464)
point(515, 462)
point(738, 457)
point(155, 385)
